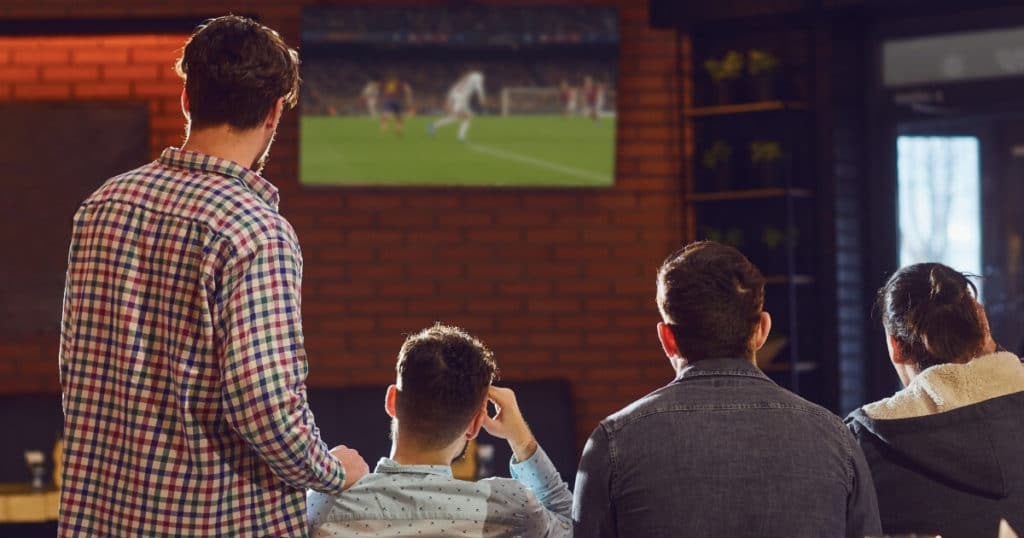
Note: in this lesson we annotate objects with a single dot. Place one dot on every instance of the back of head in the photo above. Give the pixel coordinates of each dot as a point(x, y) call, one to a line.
point(932, 311)
point(443, 377)
point(712, 298)
point(235, 70)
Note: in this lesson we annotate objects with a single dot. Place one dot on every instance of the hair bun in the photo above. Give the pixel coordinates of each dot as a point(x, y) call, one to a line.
point(931, 310)
point(947, 286)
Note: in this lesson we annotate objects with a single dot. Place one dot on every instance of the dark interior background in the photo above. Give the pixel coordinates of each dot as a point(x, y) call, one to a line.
point(95, 140)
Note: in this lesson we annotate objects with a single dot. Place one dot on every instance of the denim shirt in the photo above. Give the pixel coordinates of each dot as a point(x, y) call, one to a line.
point(425, 500)
point(723, 451)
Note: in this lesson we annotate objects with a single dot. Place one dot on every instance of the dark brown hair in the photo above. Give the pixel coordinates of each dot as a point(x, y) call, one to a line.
point(443, 377)
point(235, 69)
point(932, 311)
point(712, 297)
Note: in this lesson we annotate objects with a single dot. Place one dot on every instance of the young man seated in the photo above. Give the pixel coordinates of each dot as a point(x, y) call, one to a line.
point(439, 404)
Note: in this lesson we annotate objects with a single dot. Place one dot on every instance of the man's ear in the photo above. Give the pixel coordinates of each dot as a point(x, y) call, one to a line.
point(390, 399)
point(274, 116)
point(478, 421)
point(763, 329)
point(185, 106)
point(668, 341)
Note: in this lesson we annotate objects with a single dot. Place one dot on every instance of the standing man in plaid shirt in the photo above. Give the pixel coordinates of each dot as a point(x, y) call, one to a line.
point(182, 360)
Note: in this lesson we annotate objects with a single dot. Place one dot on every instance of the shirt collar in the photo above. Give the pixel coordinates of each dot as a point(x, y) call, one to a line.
point(201, 162)
point(390, 466)
point(718, 367)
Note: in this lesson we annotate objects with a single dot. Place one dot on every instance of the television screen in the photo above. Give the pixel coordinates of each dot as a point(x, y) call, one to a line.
point(481, 95)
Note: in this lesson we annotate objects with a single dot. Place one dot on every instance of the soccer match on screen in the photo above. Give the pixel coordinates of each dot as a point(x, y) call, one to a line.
point(475, 96)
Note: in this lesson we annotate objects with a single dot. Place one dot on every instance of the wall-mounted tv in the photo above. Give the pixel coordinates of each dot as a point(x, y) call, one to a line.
point(468, 96)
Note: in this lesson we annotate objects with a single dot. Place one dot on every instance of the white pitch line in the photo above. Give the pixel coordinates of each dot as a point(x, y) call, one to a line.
point(537, 162)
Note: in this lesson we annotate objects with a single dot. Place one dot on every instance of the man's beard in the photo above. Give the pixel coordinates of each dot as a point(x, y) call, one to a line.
point(264, 156)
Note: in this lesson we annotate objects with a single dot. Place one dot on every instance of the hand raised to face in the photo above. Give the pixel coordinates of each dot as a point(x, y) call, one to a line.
point(508, 423)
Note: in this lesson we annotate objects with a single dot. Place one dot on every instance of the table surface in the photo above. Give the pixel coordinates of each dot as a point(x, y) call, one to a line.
point(20, 488)
point(19, 503)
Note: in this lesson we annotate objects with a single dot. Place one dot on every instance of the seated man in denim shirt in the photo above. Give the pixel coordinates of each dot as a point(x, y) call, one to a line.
point(438, 405)
point(722, 450)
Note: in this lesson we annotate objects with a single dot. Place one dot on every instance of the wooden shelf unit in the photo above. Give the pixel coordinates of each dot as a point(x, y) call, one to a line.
point(745, 108)
point(796, 280)
point(783, 367)
point(783, 204)
point(749, 194)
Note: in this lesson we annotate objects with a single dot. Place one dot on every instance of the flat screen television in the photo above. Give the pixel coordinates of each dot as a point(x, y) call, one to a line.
point(466, 96)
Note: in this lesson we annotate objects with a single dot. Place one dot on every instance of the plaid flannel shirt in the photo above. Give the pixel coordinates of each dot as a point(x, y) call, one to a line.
point(182, 360)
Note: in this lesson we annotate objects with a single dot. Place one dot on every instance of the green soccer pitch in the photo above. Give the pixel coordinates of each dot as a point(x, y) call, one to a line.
point(527, 151)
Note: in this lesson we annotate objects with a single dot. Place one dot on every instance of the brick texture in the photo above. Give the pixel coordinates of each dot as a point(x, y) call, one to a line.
point(559, 282)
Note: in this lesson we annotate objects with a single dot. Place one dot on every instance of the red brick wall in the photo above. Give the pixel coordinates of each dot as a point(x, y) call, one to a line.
point(83, 68)
point(559, 282)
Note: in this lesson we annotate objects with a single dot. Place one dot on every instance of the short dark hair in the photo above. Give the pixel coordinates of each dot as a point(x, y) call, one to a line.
point(712, 297)
point(932, 311)
point(235, 69)
point(443, 377)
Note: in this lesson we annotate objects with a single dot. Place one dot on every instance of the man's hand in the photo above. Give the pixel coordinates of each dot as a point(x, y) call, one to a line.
point(508, 423)
point(355, 465)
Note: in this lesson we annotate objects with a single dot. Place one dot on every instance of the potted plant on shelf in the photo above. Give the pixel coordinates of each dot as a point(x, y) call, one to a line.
point(725, 72)
point(763, 68)
point(775, 242)
point(716, 160)
point(766, 159)
point(732, 237)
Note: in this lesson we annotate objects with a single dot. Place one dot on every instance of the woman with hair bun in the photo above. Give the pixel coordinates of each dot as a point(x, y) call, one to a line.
point(945, 451)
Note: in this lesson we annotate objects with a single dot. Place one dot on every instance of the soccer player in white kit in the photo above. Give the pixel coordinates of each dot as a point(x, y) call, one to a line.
point(369, 95)
point(457, 105)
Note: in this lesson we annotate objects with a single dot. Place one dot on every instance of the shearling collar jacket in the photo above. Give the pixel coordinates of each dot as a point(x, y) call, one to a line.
point(946, 451)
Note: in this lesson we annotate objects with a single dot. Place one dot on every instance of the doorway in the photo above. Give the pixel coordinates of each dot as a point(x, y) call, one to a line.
point(946, 139)
point(959, 185)
point(938, 179)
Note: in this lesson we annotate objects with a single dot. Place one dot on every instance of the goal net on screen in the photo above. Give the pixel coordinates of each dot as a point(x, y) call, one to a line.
point(548, 100)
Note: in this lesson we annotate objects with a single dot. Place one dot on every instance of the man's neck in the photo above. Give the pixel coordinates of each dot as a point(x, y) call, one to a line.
point(404, 454)
point(679, 364)
point(224, 143)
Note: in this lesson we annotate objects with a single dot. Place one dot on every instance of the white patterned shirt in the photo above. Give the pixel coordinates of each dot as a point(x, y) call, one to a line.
point(425, 500)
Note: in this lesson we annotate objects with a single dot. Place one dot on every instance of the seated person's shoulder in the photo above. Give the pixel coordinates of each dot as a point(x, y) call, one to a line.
point(674, 397)
point(319, 507)
point(513, 496)
point(661, 399)
point(324, 507)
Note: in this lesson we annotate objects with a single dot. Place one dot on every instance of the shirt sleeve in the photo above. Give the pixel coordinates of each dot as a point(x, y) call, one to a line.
point(67, 323)
point(862, 517)
point(66, 326)
point(263, 368)
point(592, 511)
point(539, 475)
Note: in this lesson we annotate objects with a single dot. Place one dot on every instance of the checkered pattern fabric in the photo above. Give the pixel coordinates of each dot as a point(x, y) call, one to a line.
point(182, 360)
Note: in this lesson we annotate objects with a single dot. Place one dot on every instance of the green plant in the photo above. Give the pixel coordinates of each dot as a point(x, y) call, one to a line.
point(728, 68)
point(717, 155)
point(774, 238)
point(732, 237)
point(765, 151)
point(761, 62)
